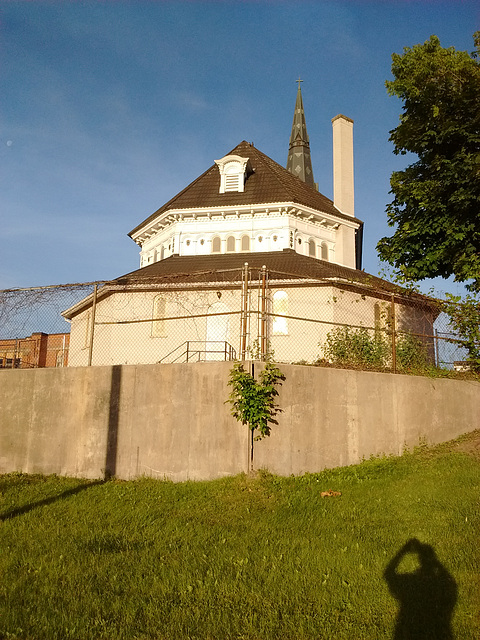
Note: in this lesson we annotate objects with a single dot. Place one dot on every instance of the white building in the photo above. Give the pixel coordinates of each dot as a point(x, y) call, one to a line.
point(245, 208)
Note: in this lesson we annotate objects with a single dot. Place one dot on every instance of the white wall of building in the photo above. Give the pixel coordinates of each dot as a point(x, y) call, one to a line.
point(265, 230)
point(141, 331)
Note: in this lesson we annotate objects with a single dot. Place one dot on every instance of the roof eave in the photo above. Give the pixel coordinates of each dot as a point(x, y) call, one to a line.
point(272, 208)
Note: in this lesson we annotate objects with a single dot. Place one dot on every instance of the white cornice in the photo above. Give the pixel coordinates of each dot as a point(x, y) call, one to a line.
point(269, 209)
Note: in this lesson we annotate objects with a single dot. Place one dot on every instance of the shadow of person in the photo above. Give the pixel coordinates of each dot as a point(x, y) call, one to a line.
point(426, 595)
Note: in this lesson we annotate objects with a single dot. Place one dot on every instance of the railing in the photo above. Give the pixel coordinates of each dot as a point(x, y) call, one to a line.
point(187, 352)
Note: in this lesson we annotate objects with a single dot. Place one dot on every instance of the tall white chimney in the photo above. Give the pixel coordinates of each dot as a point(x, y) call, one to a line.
point(343, 194)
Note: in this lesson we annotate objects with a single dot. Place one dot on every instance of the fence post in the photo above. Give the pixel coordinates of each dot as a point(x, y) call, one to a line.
point(394, 351)
point(244, 313)
point(263, 317)
point(92, 325)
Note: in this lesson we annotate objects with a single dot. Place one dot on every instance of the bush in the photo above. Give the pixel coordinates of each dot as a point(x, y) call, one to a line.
point(363, 349)
point(356, 347)
point(411, 353)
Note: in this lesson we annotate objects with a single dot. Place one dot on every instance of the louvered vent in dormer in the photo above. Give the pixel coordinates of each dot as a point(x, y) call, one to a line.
point(233, 173)
point(231, 182)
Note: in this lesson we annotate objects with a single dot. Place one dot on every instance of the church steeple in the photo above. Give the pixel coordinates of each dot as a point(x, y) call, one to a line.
point(299, 162)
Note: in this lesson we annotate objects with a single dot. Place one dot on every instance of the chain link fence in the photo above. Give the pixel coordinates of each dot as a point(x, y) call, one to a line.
point(226, 315)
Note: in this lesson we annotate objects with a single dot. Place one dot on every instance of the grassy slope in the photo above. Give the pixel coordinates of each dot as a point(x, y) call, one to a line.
point(234, 558)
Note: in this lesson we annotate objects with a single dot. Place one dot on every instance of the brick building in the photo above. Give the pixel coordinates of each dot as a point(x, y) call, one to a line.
point(38, 350)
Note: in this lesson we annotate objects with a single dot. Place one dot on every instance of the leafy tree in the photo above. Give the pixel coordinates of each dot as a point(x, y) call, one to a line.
point(253, 403)
point(465, 321)
point(436, 206)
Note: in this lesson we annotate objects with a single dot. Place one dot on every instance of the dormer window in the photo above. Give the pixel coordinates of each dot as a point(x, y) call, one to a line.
point(233, 173)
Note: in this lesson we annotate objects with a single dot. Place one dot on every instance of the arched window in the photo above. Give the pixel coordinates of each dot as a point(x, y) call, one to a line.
point(311, 248)
point(158, 315)
point(280, 306)
point(230, 243)
point(216, 245)
point(245, 243)
point(324, 251)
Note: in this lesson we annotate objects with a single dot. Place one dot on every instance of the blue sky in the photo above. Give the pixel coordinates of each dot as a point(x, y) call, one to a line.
point(108, 109)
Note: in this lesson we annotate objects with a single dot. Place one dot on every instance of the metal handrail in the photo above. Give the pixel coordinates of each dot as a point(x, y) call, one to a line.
point(190, 352)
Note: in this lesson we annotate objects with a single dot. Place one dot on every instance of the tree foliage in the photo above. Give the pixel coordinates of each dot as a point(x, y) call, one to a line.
point(436, 206)
point(465, 321)
point(253, 403)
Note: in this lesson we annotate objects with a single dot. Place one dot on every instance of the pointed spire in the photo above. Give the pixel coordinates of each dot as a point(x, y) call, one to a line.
point(299, 162)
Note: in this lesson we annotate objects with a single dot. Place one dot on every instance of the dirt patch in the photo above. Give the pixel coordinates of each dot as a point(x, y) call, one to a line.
point(469, 443)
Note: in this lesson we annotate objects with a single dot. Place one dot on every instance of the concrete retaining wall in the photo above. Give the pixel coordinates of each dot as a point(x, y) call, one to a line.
point(171, 421)
point(335, 417)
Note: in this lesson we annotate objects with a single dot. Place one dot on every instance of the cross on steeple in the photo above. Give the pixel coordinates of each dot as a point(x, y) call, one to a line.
point(299, 80)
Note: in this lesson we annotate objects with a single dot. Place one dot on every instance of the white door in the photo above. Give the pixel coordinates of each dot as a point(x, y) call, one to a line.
point(217, 332)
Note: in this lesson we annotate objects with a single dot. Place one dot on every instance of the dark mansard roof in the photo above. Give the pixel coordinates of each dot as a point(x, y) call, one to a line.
point(269, 182)
point(288, 263)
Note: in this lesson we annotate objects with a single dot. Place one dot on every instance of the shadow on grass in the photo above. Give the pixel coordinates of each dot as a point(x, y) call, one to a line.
point(110, 456)
point(426, 595)
point(20, 511)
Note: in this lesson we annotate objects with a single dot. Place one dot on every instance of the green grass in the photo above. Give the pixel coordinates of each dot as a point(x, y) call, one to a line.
point(241, 557)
